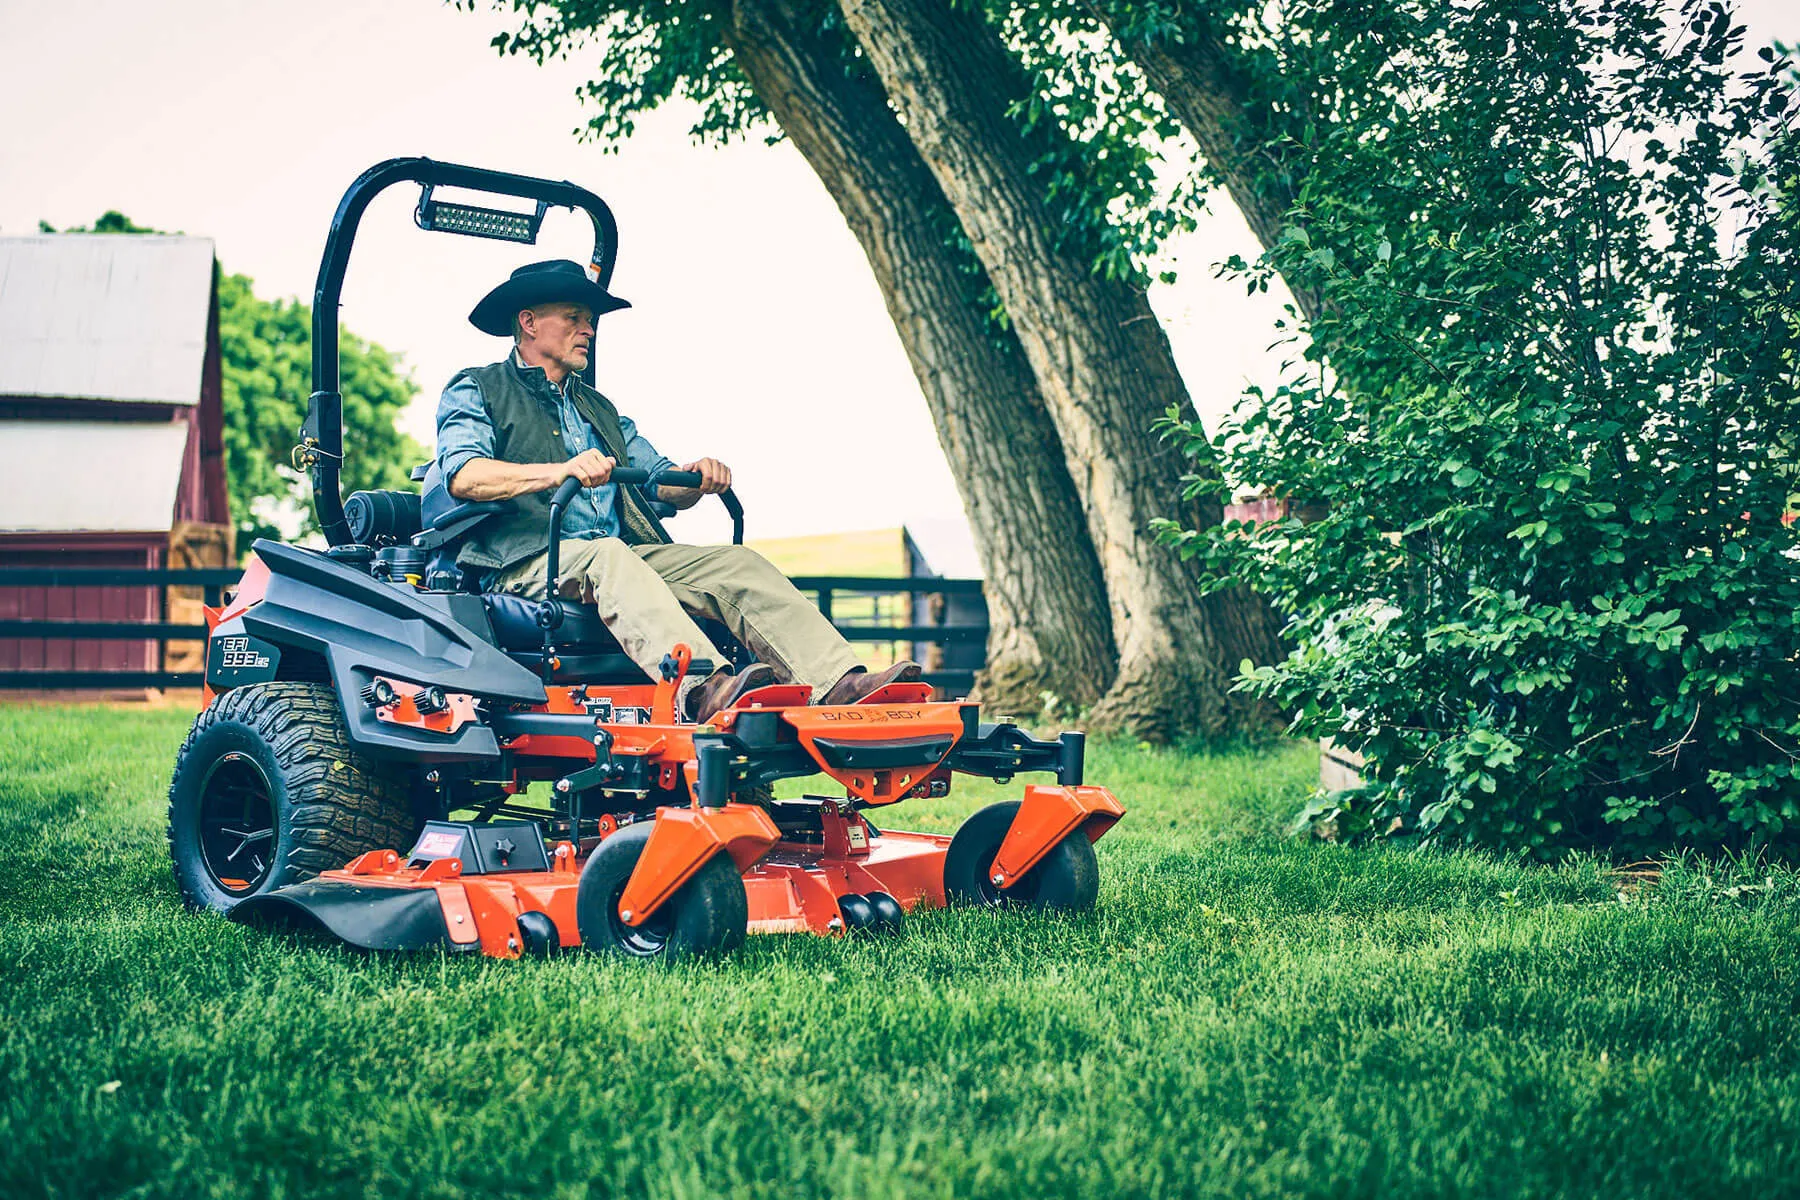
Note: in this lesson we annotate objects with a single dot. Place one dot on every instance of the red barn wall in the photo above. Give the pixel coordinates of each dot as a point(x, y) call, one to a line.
point(139, 603)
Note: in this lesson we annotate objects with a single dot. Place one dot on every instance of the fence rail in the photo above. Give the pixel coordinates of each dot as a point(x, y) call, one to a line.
point(219, 577)
point(44, 681)
point(216, 580)
point(101, 631)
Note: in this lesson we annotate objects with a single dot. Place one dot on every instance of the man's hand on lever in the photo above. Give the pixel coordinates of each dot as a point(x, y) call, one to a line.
point(715, 477)
point(590, 466)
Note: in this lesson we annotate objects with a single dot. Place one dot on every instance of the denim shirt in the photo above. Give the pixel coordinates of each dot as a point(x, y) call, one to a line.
point(465, 431)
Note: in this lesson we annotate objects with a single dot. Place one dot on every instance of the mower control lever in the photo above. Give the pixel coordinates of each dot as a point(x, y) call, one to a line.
point(635, 477)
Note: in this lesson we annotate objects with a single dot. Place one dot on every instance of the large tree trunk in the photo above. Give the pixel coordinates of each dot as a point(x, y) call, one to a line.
point(1210, 92)
point(1101, 360)
point(1050, 626)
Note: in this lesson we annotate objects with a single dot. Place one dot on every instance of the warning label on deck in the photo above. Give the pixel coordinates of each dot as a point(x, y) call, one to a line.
point(437, 844)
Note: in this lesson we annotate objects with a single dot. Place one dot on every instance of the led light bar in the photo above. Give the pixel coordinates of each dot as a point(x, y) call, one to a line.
point(474, 221)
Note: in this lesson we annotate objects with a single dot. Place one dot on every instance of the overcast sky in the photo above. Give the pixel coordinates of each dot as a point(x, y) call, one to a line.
point(758, 335)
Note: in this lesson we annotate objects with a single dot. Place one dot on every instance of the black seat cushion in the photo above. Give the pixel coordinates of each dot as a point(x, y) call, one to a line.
point(589, 651)
point(514, 619)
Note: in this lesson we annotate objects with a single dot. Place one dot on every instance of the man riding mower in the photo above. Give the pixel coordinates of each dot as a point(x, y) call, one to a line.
point(528, 619)
point(504, 431)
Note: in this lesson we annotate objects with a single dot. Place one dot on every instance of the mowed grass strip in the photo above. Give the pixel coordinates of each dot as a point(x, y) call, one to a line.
point(1244, 1015)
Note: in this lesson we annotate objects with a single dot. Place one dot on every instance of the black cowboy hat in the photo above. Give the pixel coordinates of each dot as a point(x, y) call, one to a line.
point(540, 283)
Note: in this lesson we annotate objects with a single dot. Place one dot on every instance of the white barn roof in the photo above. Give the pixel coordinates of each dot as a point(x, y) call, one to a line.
point(78, 476)
point(104, 316)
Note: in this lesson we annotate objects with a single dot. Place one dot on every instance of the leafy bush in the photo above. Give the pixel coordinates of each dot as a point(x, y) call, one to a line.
point(1549, 416)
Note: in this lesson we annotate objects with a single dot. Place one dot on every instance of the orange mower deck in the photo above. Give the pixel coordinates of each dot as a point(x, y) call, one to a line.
point(790, 887)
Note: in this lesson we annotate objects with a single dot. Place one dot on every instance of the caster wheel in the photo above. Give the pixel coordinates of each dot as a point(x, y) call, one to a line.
point(707, 916)
point(1067, 879)
point(859, 914)
point(539, 932)
point(890, 918)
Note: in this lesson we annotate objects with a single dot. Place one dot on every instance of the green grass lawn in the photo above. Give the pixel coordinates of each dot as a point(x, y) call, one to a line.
point(1243, 1015)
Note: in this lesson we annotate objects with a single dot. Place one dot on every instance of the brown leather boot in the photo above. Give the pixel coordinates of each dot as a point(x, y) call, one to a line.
point(858, 683)
point(722, 689)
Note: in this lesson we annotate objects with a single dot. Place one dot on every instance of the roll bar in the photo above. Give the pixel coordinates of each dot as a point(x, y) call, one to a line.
point(321, 449)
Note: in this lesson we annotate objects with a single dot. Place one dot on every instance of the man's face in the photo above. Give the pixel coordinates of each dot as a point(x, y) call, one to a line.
point(561, 332)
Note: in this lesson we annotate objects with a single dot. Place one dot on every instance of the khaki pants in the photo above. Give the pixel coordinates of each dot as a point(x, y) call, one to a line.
point(645, 593)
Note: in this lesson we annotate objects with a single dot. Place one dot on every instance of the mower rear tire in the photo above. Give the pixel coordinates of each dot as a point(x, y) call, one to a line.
point(268, 791)
point(708, 915)
point(1067, 879)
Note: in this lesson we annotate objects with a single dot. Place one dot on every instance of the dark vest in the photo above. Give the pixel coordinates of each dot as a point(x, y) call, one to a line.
point(527, 429)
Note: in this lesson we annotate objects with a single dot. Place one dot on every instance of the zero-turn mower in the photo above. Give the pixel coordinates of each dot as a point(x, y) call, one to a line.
point(360, 696)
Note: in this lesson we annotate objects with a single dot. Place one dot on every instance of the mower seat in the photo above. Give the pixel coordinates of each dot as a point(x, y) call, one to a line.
point(586, 652)
point(514, 619)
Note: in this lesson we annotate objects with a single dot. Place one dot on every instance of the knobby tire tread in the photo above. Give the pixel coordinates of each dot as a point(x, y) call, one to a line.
point(343, 805)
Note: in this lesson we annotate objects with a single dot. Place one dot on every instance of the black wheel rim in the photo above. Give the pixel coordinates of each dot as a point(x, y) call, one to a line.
point(643, 941)
point(1022, 891)
point(237, 824)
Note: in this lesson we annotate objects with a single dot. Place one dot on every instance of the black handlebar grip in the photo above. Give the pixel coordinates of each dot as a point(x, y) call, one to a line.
point(632, 475)
point(565, 492)
point(635, 477)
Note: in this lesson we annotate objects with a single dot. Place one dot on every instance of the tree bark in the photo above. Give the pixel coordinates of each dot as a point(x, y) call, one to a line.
point(1050, 628)
point(1211, 93)
point(1101, 359)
